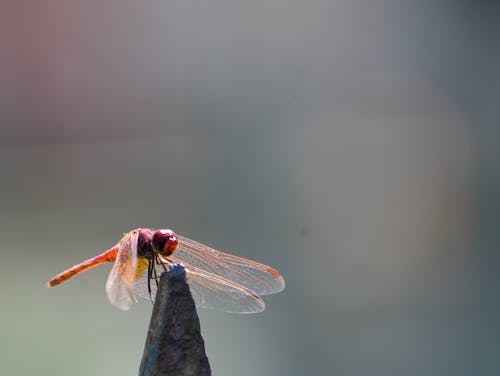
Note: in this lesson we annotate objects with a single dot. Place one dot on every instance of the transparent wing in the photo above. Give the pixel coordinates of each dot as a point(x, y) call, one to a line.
point(254, 276)
point(208, 291)
point(120, 283)
point(215, 292)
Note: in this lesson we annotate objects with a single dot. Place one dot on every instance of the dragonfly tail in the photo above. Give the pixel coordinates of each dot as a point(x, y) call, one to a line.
point(108, 256)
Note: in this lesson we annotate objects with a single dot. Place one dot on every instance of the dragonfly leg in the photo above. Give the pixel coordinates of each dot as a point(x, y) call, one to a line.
point(155, 276)
point(162, 264)
point(150, 268)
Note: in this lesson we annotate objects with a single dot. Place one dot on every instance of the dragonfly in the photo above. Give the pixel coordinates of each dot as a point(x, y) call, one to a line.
point(217, 280)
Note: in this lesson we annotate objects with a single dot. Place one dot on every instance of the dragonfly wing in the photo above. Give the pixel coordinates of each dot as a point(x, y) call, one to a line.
point(120, 283)
point(257, 277)
point(208, 291)
point(215, 292)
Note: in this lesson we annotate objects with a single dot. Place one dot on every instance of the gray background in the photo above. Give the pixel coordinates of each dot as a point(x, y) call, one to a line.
point(352, 145)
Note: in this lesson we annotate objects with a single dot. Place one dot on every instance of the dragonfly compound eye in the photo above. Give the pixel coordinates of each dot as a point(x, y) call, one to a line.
point(164, 242)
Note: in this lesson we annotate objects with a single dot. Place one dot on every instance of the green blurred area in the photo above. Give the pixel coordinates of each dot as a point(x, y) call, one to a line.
point(353, 146)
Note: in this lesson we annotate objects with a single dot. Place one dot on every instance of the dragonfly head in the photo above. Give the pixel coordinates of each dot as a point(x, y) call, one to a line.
point(164, 242)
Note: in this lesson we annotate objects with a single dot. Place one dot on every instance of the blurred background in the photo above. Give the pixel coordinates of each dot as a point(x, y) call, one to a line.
point(352, 145)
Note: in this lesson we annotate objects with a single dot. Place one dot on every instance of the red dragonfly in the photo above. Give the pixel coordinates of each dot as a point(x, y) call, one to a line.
point(217, 280)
